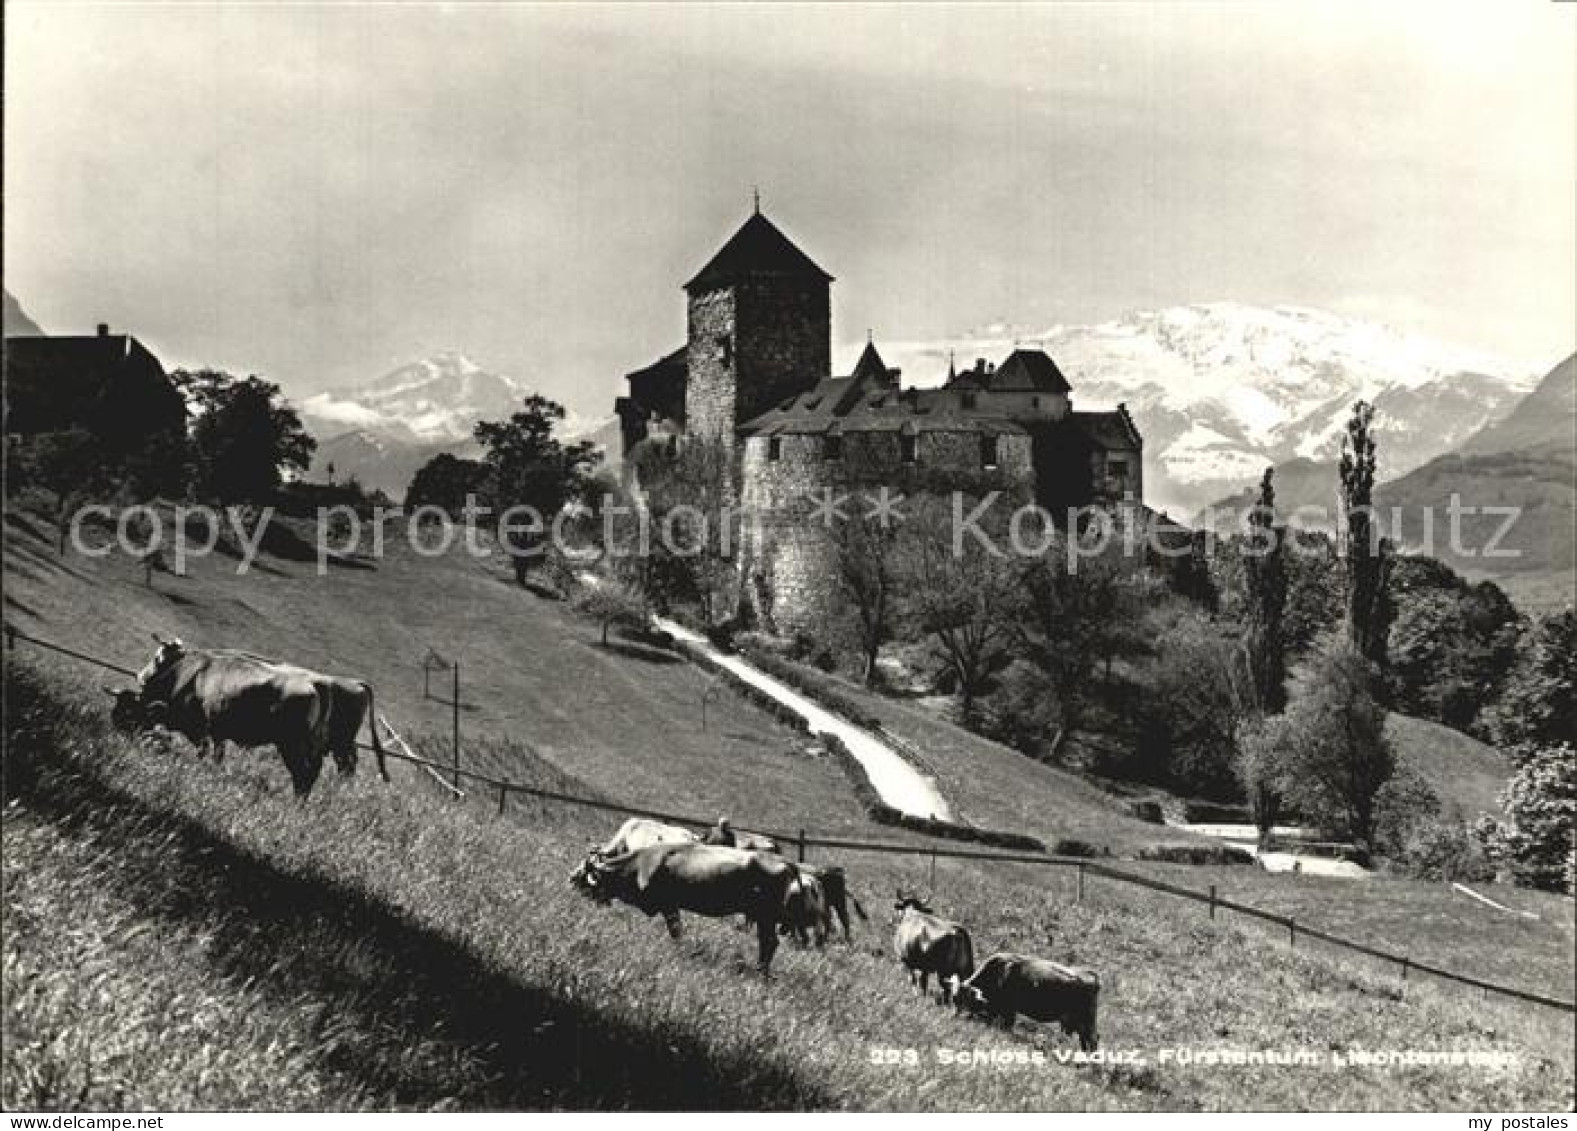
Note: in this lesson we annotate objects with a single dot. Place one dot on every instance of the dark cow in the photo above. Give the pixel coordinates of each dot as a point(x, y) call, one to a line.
point(350, 704)
point(805, 913)
point(666, 879)
point(1009, 985)
point(214, 699)
point(927, 944)
point(723, 833)
point(835, 889)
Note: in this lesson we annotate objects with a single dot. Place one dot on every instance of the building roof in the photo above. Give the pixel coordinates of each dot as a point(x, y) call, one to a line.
point(758, 249)
point(1028, 370)
point(869, 400)
point(65, 381)
point(669, 364)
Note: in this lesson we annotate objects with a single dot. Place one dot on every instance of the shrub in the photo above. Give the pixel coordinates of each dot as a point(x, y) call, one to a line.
point(1197, 854)
point(1024, 711)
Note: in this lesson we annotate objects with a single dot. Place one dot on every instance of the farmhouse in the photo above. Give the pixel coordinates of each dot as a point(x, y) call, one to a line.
point(756, 371)
point(108, 384)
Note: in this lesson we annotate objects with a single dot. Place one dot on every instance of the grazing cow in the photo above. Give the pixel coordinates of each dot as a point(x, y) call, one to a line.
point(723, 833)
point(666, 879)
point(835, 887)
point(351, 704)
point(805, 913)
point(927, 944)
point(214, 699)
point(1007, 985)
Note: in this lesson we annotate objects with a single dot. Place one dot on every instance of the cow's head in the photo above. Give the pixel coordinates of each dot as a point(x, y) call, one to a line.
point(126, 710)
point(967, 998)
point(130, 713)
point(904, 900)
point(168, 652)
point(590, 877)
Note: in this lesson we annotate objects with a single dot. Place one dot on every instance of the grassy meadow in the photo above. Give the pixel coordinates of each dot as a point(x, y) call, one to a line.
point(380, 946)
point(192, 937)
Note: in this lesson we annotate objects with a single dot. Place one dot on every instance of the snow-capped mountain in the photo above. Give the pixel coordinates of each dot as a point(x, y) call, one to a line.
point(434, 401)
point(1223, 389)
point(381, 432)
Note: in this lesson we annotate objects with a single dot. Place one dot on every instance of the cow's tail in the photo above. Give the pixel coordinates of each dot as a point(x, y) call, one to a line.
point(858, 910)
point(372, 725)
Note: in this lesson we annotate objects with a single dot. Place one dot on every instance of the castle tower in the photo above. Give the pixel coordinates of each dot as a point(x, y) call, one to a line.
point(760, 329)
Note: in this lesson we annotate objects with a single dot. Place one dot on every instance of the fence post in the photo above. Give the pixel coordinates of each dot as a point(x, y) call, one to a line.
point(1292, 932)
point(456, 712)
point(1212, 901)
point(503, 798)
point(933, 872)
point(1080, 897)
point(1406, 962)
point(802, 846)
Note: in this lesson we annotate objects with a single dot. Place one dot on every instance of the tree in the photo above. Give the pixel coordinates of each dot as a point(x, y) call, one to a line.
point(865, 557)
point(1265, 579)
point(1540, 802)
point(1263, 646)
point(445, 481)
point(1334, 755)
point(1197, 701)
point(245, 439)
point(65, 464)
point(1452, 646)
point(611, 603)
point(1369, 608)
point(1079, 617)
point(693, 523)
point(527, 466)
point(1535, 722)
point(962, 595)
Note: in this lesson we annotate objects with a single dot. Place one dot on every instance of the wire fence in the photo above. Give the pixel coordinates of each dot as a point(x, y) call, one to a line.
point(502, 789)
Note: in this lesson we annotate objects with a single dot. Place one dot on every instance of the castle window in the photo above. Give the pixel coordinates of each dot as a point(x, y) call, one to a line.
point(1034, 402)
point(908, 450)
point(1117, 468)
point(969, 400)
point(988, 452)
point(833, 448)
point(725, 349)
point(774, 449)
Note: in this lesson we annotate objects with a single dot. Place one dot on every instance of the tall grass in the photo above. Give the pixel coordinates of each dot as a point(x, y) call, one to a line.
point(398, 949)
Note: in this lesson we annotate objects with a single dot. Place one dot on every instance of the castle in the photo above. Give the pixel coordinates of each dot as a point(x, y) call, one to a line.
point(756, 371)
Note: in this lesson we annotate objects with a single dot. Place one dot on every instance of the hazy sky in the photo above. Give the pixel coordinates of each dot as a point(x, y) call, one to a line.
point(318, 193)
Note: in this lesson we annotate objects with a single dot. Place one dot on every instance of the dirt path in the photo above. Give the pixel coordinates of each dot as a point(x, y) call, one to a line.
point(897, 782)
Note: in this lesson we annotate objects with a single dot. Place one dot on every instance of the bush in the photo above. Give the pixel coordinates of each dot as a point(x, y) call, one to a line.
point(1024, 711)
point(1079, 848)
point(1197, 854)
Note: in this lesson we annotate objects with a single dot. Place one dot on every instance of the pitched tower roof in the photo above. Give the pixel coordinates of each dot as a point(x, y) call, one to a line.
point(1029, 370)
point(758, 249)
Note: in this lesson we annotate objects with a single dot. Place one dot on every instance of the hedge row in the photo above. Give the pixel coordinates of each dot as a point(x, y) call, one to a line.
point(821, 689)
point(1197, 854)
point(884, 814)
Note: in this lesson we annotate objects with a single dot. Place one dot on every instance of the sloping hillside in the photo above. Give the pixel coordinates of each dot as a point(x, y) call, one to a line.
point(1460, 769)
point(421, 953)
point(626, 719)
point(1544, 423)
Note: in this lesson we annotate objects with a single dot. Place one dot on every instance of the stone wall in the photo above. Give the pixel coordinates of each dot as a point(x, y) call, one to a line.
point(794, 550)
point(709, 385)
